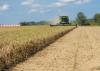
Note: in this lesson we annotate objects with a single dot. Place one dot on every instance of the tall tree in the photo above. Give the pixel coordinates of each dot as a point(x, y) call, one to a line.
point(97, 18)
point(81, 19)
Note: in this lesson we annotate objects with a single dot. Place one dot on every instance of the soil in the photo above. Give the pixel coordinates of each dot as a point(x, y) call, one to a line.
point(77, 51)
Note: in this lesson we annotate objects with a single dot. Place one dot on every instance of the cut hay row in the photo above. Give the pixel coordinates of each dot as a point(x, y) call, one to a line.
point(17, 44)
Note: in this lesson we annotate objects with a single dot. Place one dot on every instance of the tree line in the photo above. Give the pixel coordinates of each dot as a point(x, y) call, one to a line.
point(33, 23)
point(82, 19)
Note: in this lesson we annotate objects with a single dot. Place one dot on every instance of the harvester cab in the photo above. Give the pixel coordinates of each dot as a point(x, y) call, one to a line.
point(64, 20)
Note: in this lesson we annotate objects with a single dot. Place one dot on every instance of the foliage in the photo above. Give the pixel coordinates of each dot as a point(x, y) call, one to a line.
point(97, 18)
point(27, 23)
point(33, 23)
point(81, 19)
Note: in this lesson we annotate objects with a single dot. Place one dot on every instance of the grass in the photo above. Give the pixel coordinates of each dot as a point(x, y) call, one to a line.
point(19, 43)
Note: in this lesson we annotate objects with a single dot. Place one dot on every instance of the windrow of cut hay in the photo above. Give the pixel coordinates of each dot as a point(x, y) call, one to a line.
point(17, 44)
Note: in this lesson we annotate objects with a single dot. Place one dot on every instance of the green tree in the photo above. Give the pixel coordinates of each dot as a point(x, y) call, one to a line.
point(27, 23)
point(23, 23)
point(97, 18)
point(81, 19)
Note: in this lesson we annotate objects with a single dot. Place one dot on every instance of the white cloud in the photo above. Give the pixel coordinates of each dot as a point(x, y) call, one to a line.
point(60, 3)
point(57, 4)
point(66, 1)
point(4, 7)
point(82, 1)
point(32, 5)
point(27, 2)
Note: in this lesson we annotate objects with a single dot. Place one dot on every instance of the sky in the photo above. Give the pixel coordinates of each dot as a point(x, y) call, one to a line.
point(16, 11)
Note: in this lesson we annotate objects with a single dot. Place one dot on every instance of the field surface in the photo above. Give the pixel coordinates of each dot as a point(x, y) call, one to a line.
point(19, 43)
point(77, 51)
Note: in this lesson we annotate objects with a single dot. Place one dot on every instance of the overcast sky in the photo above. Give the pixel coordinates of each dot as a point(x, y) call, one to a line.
point(15, 11)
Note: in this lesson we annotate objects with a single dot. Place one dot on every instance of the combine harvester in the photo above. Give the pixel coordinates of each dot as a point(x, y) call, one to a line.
point(62, 20)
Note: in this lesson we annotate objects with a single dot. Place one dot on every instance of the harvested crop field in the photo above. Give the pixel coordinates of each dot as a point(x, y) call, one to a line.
point(19, 43)
point(77, 51)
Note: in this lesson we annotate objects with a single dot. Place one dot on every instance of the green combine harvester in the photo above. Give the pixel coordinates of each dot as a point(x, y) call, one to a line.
point(64, 20)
